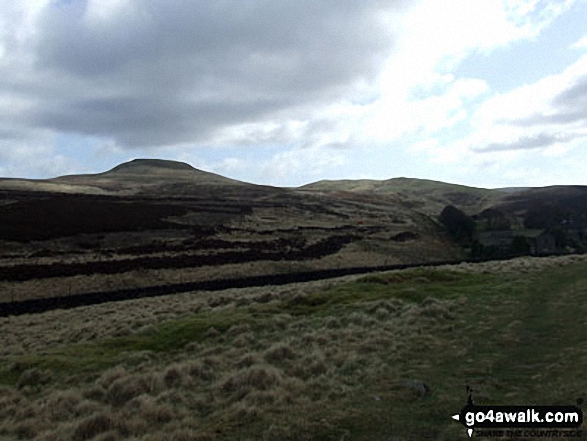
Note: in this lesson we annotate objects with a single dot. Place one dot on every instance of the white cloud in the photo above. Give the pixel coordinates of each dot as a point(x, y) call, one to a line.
point(300, 166)
point(580, 44)
point(418, 89)
point(34, 157)
point(555, 106)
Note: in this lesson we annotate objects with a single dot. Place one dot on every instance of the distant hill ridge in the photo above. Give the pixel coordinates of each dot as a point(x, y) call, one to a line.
point(162, 177)
point(139, 165)
point(139, 176)
point(400, 183)
point(159, 175)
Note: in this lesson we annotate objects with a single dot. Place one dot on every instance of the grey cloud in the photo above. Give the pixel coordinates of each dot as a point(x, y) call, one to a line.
point(575, 97)
point(569, 106)
point(148, 121)
point(530, 142)
point(170, 72)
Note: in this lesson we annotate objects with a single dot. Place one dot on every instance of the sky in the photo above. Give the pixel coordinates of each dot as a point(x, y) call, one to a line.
point(485, 93)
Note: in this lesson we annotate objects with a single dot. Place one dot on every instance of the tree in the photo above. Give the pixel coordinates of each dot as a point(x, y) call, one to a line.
point(520, 246)
point(460, 226)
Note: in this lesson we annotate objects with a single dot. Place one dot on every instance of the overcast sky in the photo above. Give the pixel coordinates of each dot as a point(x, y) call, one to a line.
point(487, 93)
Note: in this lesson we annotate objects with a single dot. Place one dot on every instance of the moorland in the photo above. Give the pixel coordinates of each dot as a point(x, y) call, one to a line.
point(271, 313)
point(155, 223)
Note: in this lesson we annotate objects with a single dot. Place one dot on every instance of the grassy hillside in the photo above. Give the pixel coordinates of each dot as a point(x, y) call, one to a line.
point(386, 356)
point(423, 194)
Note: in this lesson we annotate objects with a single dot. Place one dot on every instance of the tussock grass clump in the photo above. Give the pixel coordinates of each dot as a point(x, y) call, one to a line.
point(381, 314)
point(186, 435)
point(264, 398)
point(174, 376)
point(94, 425)
point(333, 323)
point(140, 358)
point(376, 279)
point(390, 305)
point(149, 409)
point(244, 340)
point(316, 337)
point(358, 319)
point(350, 364)
point(243, 412)
point(108, 436)
point(279, 352)
point(111, 375)
point(212, 332)
point(95, 393)
point(312, 365)
point(261, 377)
point(264, 298)
point(64, 405)
point(10, 399)
point(279, 322)
point(238, 329)
point(198, 370)
point(33, 377)
point(129, 387)
point(247, 360)
point(435, 308)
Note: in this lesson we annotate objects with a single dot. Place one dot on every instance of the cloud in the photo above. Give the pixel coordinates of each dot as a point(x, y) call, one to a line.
point(419, 92)
point(541, 140)
point(34, 157)
point(550, 111)
point(292, 166)
point(300, 166)
point(580, 44)
point(149, 73)
point(566, 107)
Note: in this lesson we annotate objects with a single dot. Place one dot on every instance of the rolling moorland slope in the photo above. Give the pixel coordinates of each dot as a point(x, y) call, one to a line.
point(154, 222)
point(362, 357)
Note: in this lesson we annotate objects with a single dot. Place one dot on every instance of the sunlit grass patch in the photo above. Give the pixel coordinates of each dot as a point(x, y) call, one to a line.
point(410, 285)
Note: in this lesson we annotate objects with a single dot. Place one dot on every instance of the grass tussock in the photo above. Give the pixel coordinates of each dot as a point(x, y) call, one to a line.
point(128, 387)
point(260, 377)
point(279, 353)
point(93, 425)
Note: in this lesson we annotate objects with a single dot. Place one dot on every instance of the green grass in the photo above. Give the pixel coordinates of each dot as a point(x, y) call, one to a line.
point(518, 341)
point(412, 285)
point(516, 338)
point(95, 356)
point(101, 354)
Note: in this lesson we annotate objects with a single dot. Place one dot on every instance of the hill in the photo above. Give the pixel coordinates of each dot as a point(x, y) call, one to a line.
point(137, 177)
point(424, 195)
point(141, 171)
point(151, 222)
